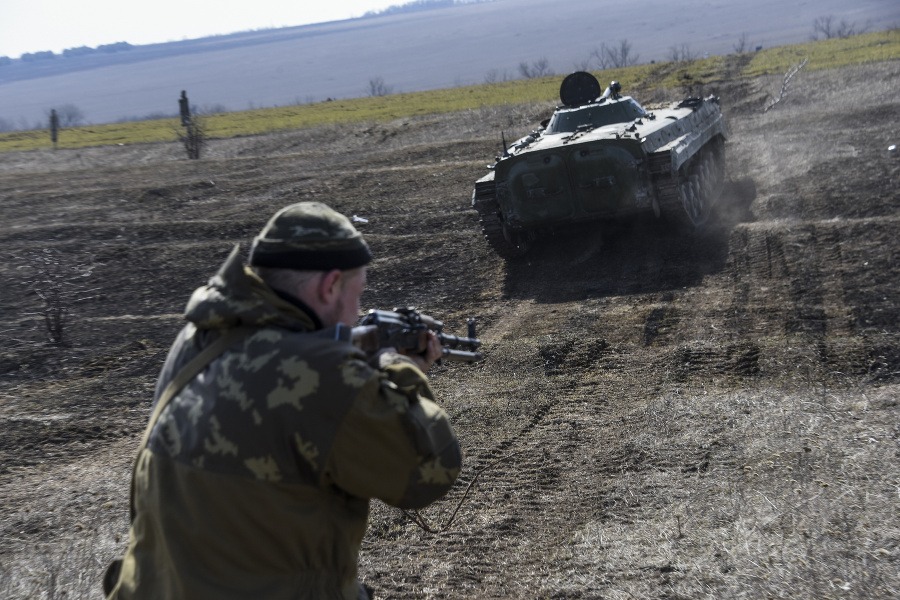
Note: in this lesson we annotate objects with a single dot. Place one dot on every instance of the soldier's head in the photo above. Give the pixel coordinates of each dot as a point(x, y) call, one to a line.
point(316, 254)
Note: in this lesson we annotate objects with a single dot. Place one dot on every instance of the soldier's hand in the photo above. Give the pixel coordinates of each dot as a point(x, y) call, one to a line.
point(428, 353)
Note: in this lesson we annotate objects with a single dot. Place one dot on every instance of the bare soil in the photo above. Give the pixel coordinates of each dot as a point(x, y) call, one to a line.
point(656, 417)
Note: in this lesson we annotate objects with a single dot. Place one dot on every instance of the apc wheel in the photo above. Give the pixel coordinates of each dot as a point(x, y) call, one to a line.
point(516, 246)
point(507, 244)
point(694, 201)
point(687, 206)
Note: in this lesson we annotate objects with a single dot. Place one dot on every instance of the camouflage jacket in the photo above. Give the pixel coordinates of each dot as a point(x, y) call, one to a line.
point(257, 476)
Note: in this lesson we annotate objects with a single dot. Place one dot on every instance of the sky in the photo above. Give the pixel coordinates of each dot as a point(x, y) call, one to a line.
point(40, 25)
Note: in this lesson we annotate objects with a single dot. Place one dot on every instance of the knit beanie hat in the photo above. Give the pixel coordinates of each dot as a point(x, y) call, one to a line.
point(309, 236)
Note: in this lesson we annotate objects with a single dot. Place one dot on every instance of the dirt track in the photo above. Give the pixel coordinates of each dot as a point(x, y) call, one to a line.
point(656, 417)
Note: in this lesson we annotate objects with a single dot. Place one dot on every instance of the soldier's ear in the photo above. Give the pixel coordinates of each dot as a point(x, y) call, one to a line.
point(329, 288)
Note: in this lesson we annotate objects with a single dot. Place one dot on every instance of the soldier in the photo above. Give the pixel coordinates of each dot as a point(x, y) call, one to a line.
point(271, 431)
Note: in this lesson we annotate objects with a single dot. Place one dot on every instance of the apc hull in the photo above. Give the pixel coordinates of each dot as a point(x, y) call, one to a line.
point(668, 163)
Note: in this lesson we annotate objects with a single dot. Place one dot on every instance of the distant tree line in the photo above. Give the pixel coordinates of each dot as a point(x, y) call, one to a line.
point(36, 56)
point(419, 5)
point(32, 57)
point(829, 28)
point(616, 56)
point(68, 115)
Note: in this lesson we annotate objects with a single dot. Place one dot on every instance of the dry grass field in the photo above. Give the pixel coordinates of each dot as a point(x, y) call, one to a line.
point(656, 417)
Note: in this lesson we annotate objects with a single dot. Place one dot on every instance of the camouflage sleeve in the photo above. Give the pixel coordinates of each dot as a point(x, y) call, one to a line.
point(395, 443)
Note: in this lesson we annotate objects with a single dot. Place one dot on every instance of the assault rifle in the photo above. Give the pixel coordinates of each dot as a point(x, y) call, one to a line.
point(404, 329)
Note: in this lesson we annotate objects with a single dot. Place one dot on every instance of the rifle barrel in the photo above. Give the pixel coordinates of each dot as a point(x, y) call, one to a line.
point(455, 341)
point(461, 355)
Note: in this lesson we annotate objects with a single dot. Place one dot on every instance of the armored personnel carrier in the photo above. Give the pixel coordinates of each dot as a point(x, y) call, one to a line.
point(604, 157)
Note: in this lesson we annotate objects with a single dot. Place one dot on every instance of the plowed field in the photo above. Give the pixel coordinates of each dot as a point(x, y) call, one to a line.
point(656, 417)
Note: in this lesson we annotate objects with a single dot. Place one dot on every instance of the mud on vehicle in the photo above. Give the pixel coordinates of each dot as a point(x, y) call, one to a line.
point(604, 157)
